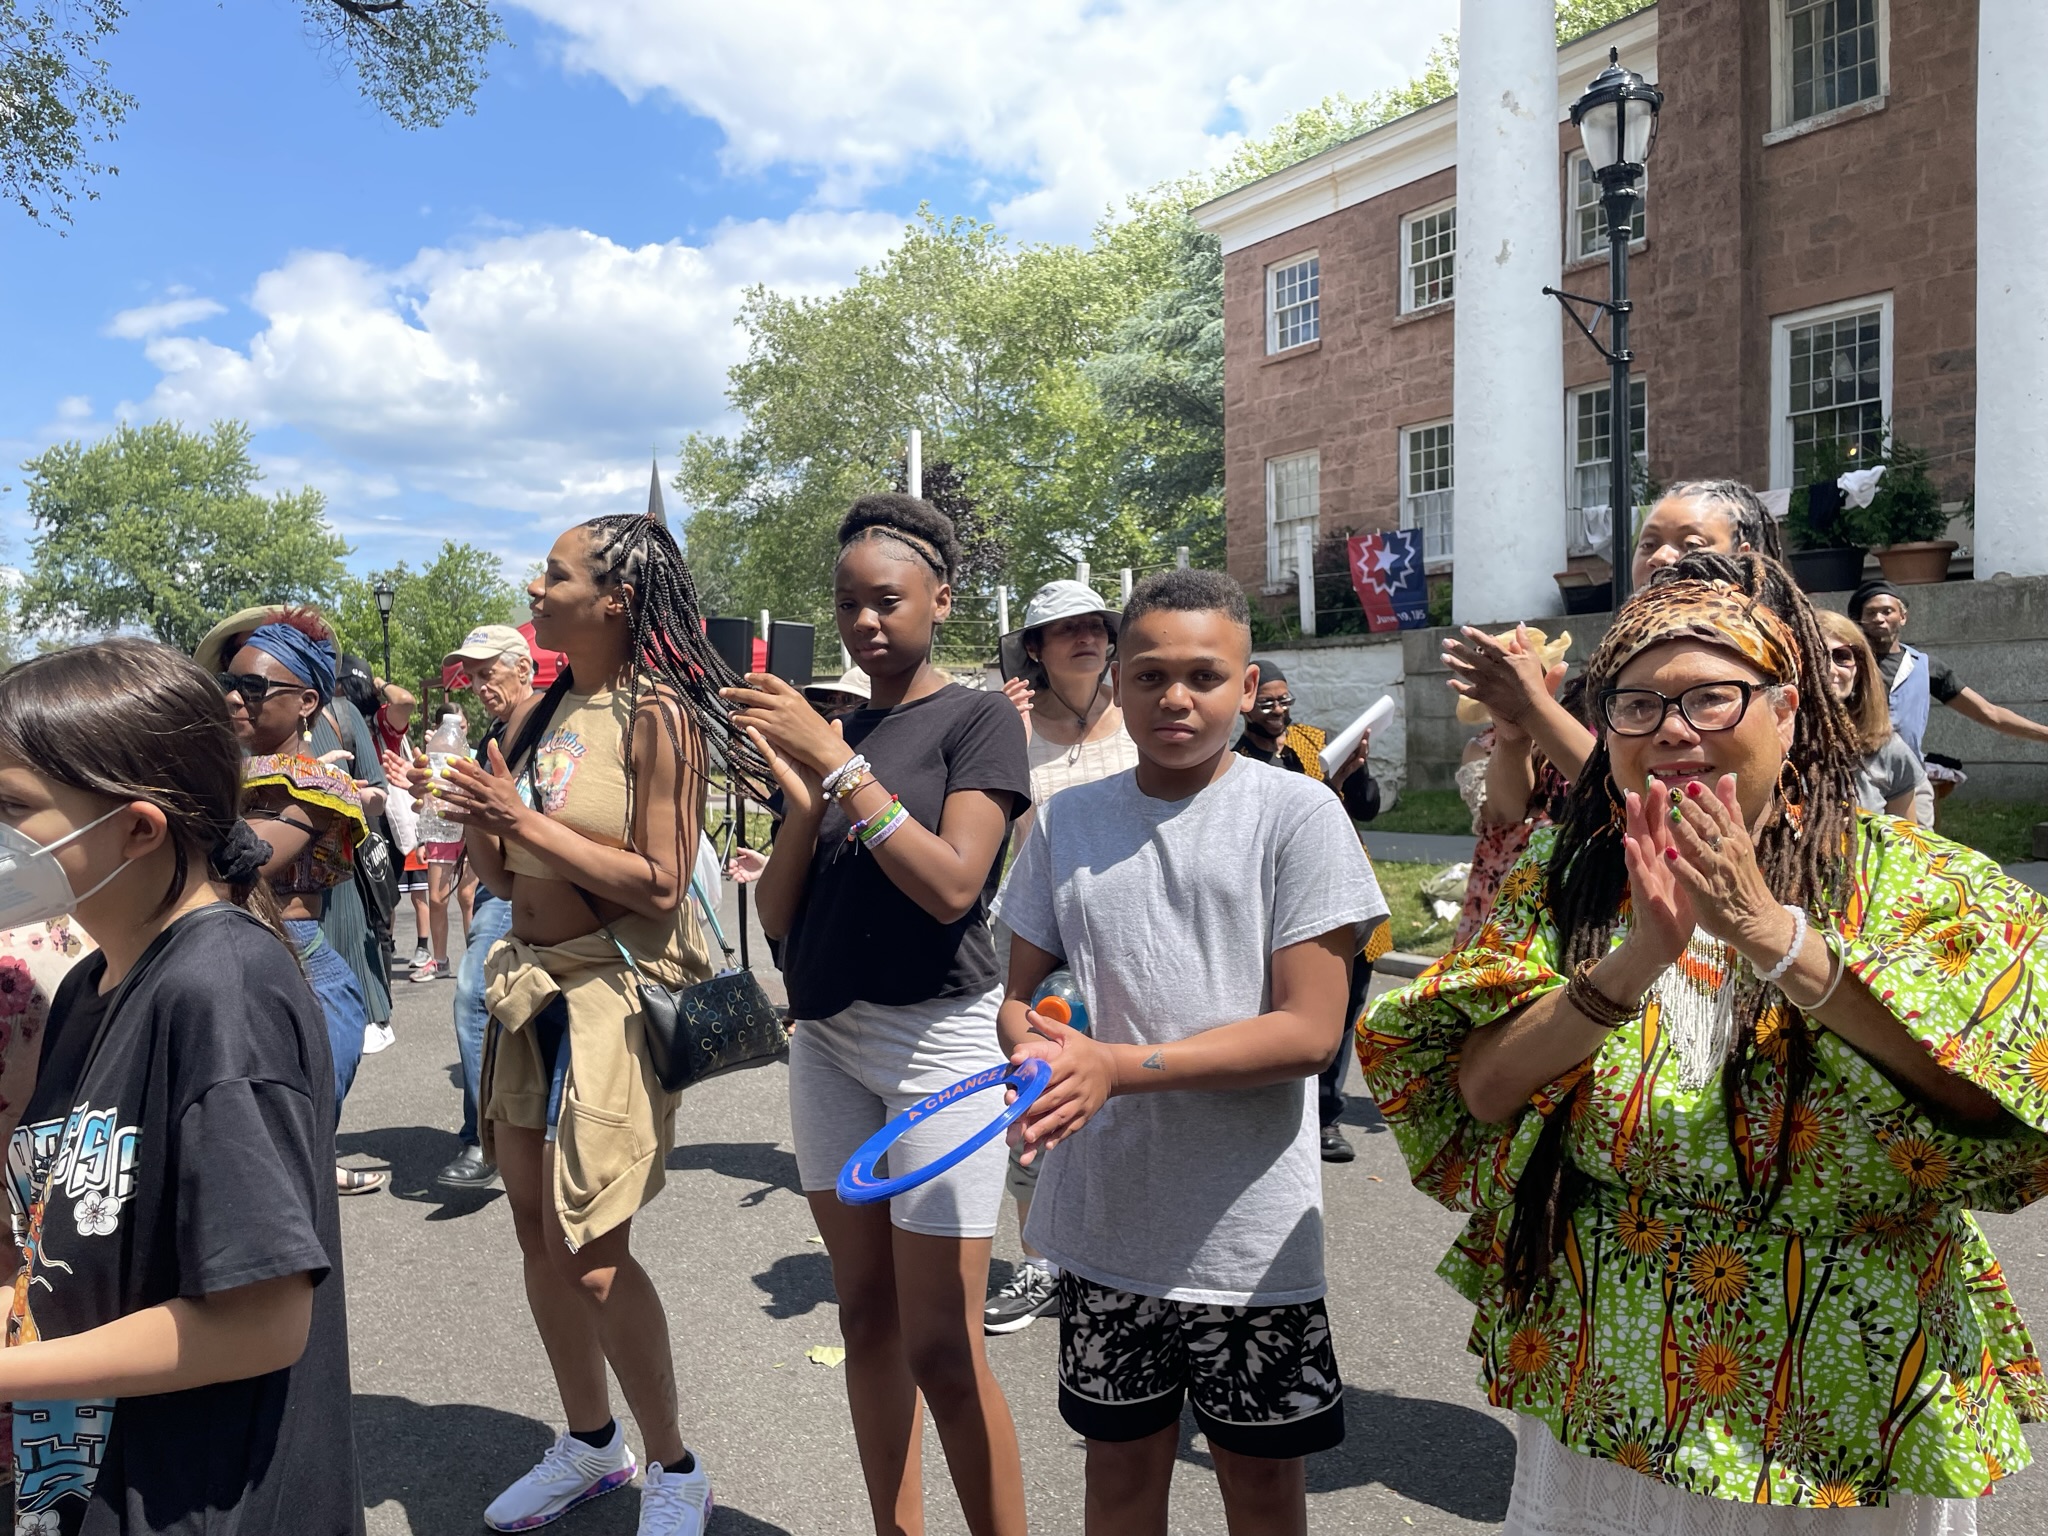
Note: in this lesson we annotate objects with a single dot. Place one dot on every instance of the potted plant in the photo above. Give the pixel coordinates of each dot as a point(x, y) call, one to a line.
point(1907, 520)
point(1828, 556)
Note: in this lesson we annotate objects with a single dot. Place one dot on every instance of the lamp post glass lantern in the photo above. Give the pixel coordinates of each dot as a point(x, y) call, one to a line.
point(385, 595)
point(1617, 123)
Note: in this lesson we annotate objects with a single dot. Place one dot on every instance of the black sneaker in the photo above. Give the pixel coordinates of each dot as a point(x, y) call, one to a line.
point(1335, 1148)
point(1029, 1293)
point(469, 1171)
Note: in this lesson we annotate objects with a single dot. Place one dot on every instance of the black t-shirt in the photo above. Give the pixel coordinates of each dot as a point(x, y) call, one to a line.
point(193, 1154)
point(857, 936)
point(1941, 681)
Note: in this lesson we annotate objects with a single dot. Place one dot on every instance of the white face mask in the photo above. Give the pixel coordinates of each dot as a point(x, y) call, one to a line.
point(33, 885)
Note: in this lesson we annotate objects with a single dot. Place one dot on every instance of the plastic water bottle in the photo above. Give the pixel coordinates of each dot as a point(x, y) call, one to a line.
point(1059, 998)
point(449, 740)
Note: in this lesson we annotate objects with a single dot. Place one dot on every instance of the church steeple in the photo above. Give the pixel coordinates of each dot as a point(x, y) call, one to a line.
point(655, 509)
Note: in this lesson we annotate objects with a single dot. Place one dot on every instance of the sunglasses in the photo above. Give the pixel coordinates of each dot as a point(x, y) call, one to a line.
point(1842, 655)
point(250, 687)
point(1275, 706)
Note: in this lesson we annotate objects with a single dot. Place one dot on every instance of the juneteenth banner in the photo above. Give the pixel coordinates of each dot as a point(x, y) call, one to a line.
point(1386, 573)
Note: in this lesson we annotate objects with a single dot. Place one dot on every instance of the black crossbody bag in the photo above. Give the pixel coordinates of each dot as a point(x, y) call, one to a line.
point(693, 1032)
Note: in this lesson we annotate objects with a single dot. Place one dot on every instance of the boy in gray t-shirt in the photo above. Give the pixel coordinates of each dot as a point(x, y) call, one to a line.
point(1209, 907)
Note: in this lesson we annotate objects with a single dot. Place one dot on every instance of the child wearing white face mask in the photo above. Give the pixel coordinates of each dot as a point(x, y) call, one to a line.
point(178, 1319)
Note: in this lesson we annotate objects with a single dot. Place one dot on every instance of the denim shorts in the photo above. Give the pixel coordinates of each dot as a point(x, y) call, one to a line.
point(851, 1073)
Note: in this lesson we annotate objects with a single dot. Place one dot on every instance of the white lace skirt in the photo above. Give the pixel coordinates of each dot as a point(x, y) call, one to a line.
point(1558, 1492)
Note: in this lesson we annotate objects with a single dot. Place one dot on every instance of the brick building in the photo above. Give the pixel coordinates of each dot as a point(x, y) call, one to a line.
point(1806, 270)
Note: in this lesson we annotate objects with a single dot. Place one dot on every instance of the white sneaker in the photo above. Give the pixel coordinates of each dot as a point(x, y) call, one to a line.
point(675, 1503)
point(378, 1037)
point(420, 955)
point(570, 1473)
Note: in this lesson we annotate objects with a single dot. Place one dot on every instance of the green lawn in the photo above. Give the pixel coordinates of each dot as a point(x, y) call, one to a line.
point(1426, 810)
point(2004, 829)
point(1416, 929)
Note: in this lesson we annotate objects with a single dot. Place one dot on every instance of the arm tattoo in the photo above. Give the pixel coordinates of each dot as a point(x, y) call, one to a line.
point(1156, 1062)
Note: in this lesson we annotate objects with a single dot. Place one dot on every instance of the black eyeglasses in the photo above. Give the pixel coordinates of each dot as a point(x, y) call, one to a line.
point(1842, 655)
point(1274, 706)
point(250, 687)
point(1705, 706)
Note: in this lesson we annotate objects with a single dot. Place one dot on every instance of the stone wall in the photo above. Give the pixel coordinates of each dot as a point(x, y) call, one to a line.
point(1335, 678)
point(1994, 634)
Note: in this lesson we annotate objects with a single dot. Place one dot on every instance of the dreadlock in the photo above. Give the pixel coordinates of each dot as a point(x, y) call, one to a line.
point(1754, 525)
point(670, 655)
point(1804, 858)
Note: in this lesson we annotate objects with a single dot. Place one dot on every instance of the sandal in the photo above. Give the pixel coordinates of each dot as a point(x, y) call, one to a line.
point(357, 1181)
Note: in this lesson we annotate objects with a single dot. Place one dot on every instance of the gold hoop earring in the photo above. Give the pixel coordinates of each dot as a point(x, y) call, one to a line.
point(1792, 798)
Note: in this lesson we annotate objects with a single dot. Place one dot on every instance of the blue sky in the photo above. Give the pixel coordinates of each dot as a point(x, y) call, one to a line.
point(481, 331)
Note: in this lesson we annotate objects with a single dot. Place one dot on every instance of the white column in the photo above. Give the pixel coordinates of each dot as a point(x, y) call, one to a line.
point(914, 475)
point(2012, 289)
point(1508, 397)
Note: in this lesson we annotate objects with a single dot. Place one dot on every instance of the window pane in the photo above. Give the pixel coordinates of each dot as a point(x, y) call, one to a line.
point(1833, 54)
point(1294, 303)
point(1843, 405)
point(1432, 253)
point(1293, 487)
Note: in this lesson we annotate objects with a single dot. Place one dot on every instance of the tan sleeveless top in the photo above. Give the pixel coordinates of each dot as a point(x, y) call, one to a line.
point(579, 772)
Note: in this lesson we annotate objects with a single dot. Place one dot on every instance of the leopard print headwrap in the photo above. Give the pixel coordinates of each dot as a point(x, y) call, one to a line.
point(1714, 613)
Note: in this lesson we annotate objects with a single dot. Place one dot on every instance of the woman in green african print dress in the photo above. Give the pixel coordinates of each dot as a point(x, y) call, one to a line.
point(1718, 1081)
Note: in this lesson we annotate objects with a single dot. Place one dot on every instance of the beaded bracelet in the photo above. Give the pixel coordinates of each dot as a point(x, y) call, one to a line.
point(1596, 1005)
point(853, 766)
point(851, 785)
point(1798, 916)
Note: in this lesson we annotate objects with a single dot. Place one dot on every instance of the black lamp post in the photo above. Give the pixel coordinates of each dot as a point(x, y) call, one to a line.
point(1617, 123)
point(384, 594)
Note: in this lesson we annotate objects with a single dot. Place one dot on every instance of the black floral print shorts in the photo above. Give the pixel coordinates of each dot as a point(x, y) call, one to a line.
point(1263, 1380)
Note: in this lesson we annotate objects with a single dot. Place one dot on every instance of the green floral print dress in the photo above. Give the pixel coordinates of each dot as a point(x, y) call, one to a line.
point(1853, 1342)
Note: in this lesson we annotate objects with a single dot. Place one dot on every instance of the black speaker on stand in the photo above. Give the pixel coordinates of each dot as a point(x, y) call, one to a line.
point(733, 640)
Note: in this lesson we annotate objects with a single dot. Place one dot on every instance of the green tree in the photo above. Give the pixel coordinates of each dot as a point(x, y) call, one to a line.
point(161, 529)
point(417, 61)
point(431, 610)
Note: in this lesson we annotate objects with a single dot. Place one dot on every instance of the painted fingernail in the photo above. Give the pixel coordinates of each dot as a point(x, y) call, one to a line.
point(1693, 789)
point(1670, 855)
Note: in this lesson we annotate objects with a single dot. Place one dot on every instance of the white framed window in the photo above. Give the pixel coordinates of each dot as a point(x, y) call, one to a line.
point(1293, 502)
point(1429, 256)
point(1589, 428)
point(1294, 302)
point(1827, 55)
point(1831, 381)
point(1585, 221)
point(1428, 485)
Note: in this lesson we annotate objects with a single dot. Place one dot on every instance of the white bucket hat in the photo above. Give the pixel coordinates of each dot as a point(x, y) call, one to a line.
point(852, 682)
point(1052, 602)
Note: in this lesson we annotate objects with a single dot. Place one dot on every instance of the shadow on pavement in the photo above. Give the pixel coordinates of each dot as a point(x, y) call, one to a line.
point(1452, 1458)
point(760, 1163)
point(442, 1463)
point(415, 1153)
point(797, 1284)
point(1362, 1113)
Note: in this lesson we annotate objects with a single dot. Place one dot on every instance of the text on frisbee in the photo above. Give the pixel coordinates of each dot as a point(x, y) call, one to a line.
point(860, 1184)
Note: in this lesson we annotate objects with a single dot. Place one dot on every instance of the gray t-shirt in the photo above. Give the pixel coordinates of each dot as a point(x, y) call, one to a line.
point(1893, 770)
point(1168, 913)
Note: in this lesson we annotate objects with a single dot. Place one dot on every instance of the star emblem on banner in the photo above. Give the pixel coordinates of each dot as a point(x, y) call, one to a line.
point(1372, 566)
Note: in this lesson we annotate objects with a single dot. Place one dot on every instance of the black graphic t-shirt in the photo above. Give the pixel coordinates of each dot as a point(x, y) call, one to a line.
point(189, 1154)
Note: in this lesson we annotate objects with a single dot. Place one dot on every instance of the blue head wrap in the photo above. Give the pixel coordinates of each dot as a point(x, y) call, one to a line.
point(311, 661)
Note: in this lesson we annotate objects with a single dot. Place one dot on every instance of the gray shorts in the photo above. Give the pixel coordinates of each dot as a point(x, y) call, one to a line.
point(853, 1072)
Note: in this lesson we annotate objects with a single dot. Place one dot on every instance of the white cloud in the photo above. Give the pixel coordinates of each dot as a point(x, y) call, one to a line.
point(530, 373)
point(1074, 103)
point(173, 314)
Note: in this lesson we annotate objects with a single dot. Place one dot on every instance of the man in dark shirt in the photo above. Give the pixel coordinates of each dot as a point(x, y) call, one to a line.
point(1272, 735)
point(1913, 678)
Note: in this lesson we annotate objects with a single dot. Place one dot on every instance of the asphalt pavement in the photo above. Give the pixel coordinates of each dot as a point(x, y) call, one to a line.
point(454, 1400)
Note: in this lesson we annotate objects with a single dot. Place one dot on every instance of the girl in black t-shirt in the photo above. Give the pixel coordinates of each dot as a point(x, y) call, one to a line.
point(178, 1352)
point(878, 890)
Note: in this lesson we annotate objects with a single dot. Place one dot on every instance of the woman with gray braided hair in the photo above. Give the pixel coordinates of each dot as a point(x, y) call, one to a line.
point(1720, 1082)
point(588, 824)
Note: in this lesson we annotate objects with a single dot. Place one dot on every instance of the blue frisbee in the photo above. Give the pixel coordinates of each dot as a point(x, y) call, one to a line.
point(859, 1184)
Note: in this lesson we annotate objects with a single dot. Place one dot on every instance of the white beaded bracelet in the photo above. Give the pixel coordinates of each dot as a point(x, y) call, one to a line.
point(1771, 976)
point(852, 767)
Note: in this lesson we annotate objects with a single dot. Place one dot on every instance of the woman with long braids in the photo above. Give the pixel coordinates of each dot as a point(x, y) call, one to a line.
point(178, 1343)
point(588, 825)
point(881, 876)
point(1720, 1081)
